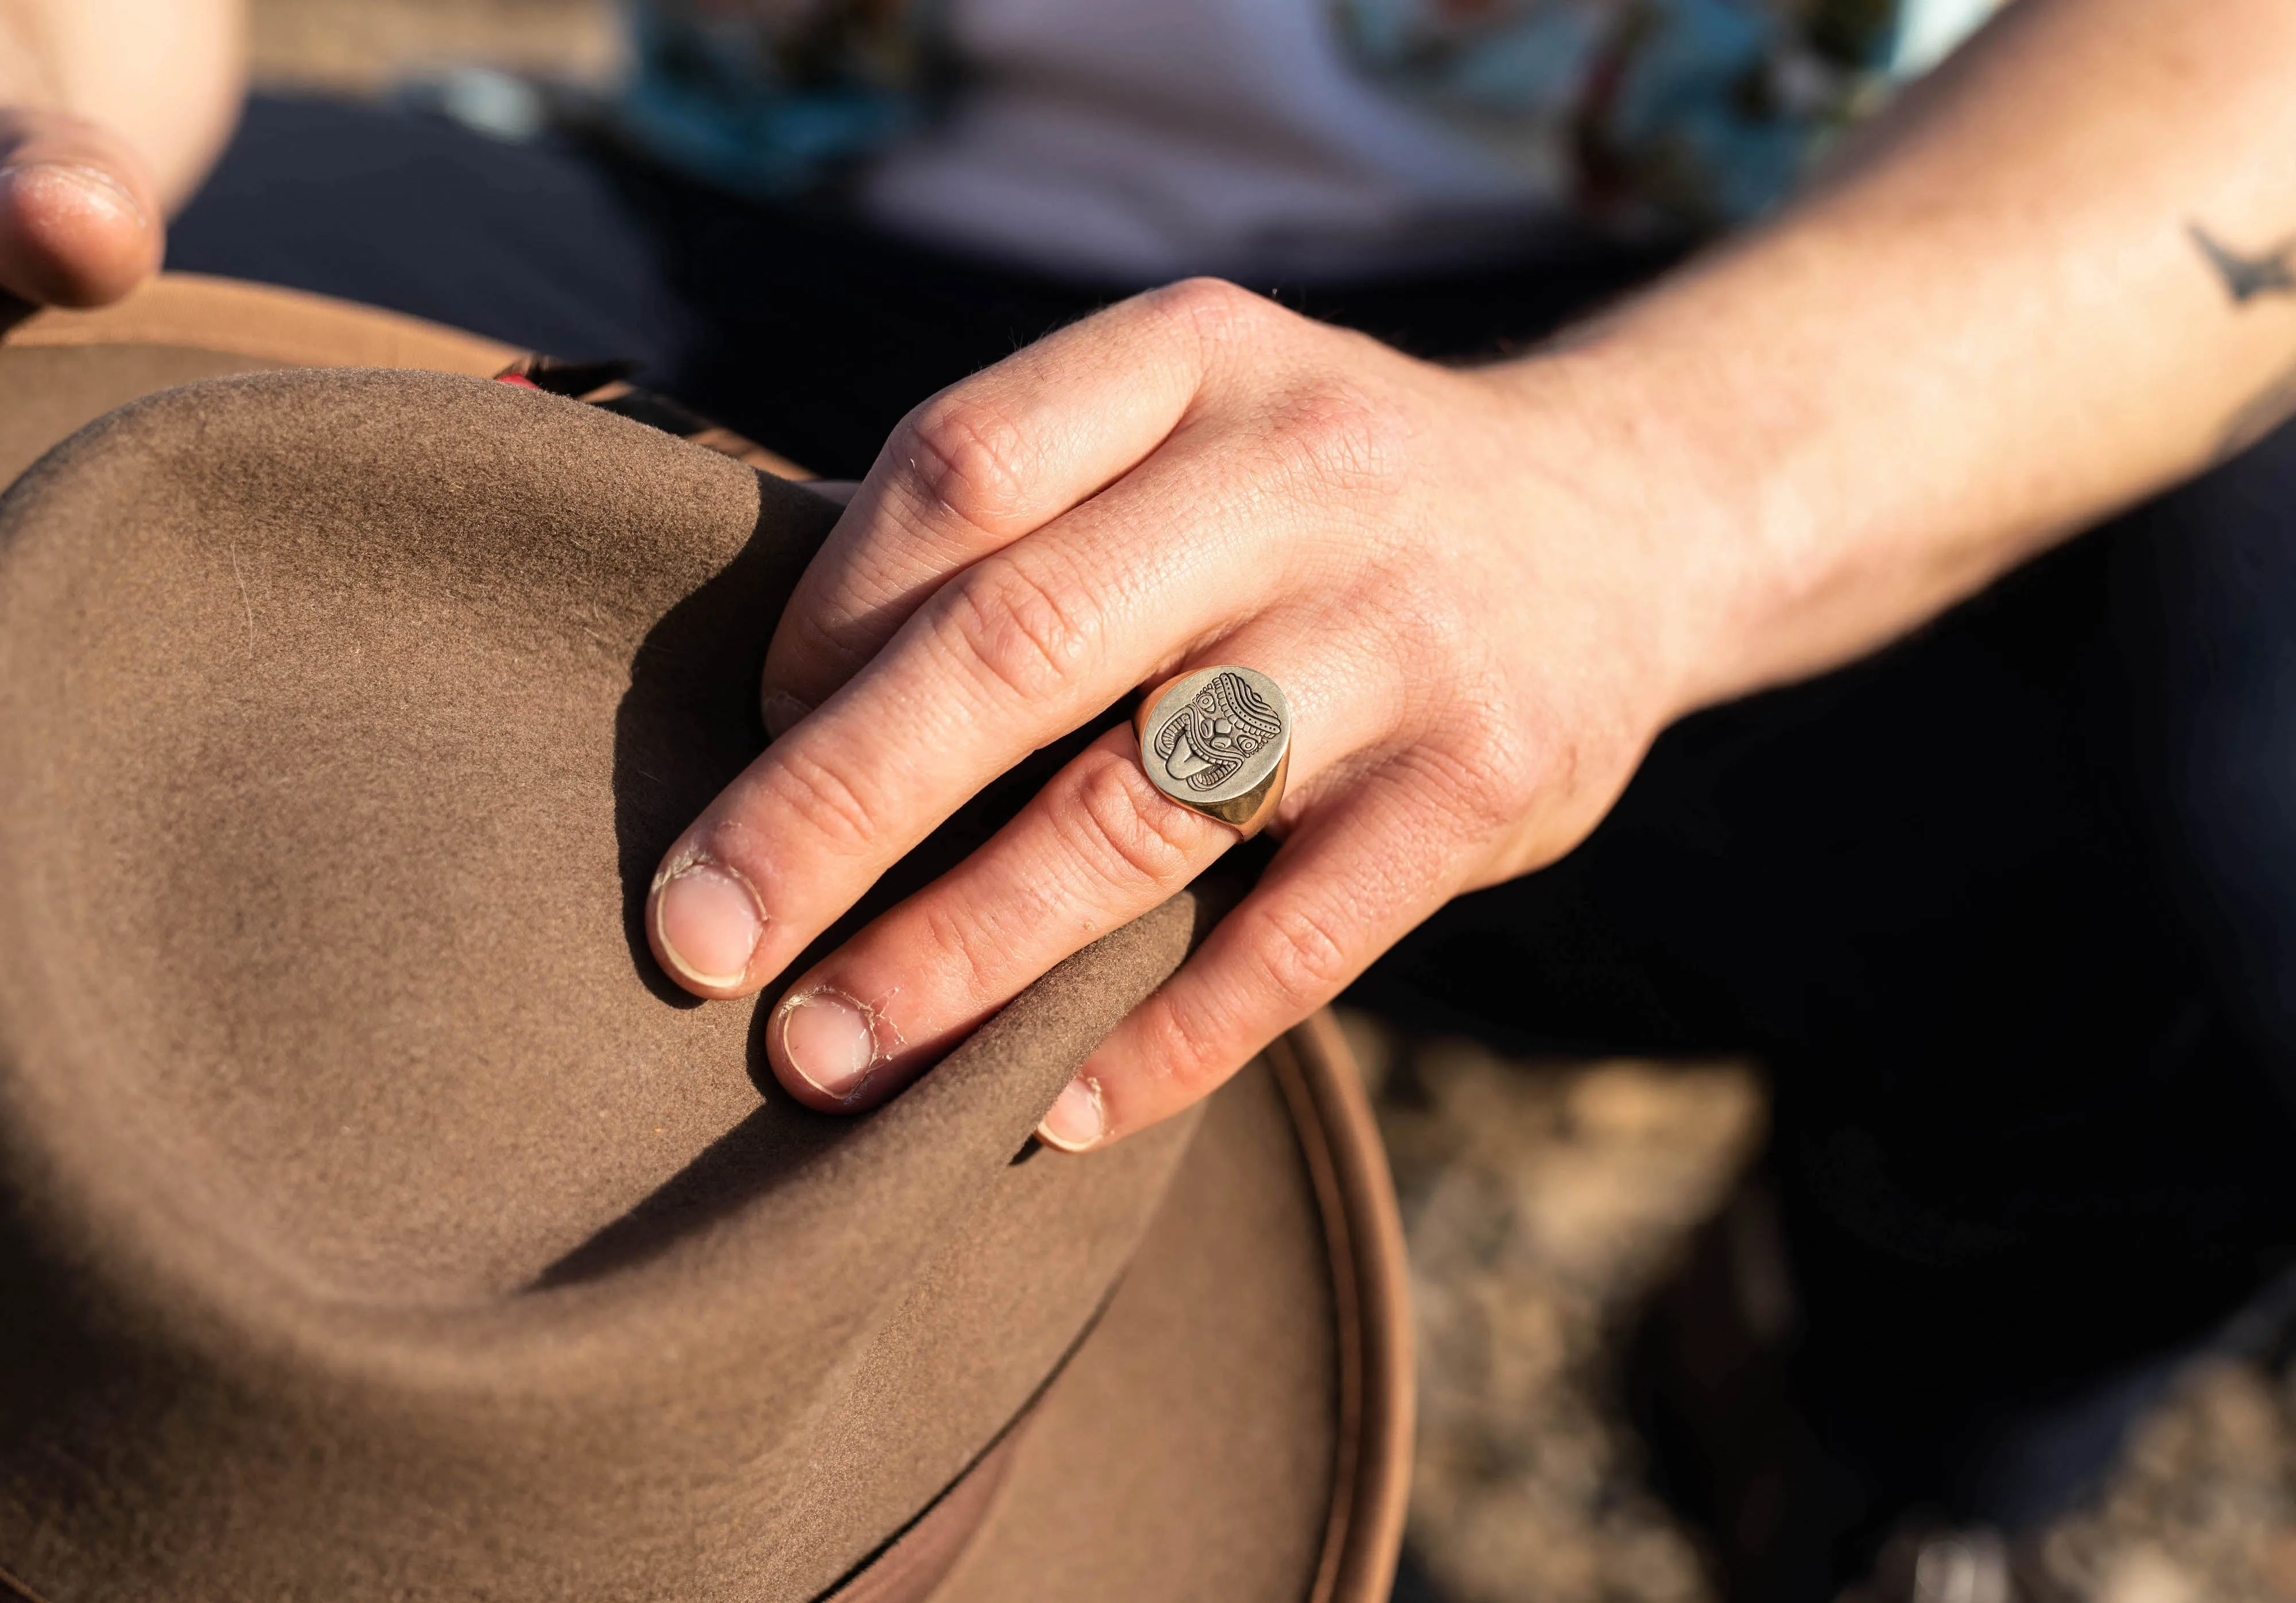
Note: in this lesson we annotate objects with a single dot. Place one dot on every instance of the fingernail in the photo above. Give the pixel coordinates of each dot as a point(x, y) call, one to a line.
point(781, 711)
point(1078, 1119)
point(88, 184)
point(830, 1040)
point(709, 921)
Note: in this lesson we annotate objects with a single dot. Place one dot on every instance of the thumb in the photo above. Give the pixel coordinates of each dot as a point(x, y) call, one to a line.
point(80, 215)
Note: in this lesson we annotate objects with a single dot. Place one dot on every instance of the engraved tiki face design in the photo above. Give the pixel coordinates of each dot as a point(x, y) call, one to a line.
point(1207, 741)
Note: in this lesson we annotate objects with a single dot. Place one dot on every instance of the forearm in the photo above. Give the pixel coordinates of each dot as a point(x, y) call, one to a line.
point(165, 75)
point(1989, 324)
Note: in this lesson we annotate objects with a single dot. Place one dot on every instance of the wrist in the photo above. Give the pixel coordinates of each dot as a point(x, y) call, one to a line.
point(1650, 441)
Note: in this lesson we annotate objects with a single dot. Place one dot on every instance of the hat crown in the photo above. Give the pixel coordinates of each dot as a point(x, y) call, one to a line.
point(347, 1136)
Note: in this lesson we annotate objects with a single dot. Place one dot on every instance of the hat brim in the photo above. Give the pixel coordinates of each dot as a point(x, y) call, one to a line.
point(1237, 1422)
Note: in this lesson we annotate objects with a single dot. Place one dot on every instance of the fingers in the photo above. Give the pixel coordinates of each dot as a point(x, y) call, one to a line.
point(80, 223)
point(1096, 847)
point(1014, 653)
point(984, 463)
point(1357, 876)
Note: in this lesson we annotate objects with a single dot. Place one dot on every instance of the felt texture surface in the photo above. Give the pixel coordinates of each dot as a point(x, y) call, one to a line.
point(374, 1221)
point(62, 368)
point(268, 326)
point(47, 392)
point(1117, 1492)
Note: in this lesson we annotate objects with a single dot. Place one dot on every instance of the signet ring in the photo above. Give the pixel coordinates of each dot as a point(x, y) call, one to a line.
point(1218, 740)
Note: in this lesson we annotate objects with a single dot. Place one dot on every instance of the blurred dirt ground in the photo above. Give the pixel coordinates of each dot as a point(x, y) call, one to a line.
point(360, 46)
point(1544, 1201)
point(1541, 1203)
point(1545, 1205)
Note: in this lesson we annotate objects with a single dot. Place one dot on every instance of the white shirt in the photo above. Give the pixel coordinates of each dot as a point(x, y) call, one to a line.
point(1136, 140)
point(1141, 139)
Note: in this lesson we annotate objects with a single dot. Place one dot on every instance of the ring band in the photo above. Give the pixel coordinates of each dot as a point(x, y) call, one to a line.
point(1218, 741)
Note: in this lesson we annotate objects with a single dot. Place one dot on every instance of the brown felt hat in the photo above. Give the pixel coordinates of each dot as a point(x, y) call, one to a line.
point(376, 1222)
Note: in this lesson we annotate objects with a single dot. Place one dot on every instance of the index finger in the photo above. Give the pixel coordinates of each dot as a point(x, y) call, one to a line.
point(983, 463)
point(1025, 646)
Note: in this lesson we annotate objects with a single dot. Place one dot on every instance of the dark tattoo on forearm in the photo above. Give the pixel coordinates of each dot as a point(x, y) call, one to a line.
point(2245, 277)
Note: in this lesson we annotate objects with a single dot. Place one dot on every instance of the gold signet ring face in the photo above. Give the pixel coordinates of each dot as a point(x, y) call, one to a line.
point(1218, 740)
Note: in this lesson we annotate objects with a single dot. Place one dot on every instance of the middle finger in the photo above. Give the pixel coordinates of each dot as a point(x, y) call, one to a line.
point(1011, 655)
point(1097, 847)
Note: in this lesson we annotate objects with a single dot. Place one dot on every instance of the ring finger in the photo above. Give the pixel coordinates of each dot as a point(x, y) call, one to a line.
point(1359, 874)
point(1098, 847)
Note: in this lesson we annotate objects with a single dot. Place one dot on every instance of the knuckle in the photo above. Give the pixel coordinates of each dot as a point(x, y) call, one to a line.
point(822, 797)
point(1514, 772)
point(1302, 960)
point(1330, 434)
point(1204, 298)
point(1484, 790)
point(1212, 313)
point(1424, 616)
point(972, 458)
point(967, 945)
point(1124, 832)
point(1019, 630)
point(1191, 1047)
point(1513, 756)
point(824, 642)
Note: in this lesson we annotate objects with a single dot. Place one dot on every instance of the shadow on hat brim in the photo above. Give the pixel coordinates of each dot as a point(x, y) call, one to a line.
point(1239, 1424)
point(1236, 1422)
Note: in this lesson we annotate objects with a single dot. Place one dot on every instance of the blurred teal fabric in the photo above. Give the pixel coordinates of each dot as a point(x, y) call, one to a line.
point(1702, 114)
point(1652, 115)
point(776, 110)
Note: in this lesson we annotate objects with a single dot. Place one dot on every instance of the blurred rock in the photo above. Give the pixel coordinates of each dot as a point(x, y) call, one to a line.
point(1545, 1203)
point(1541, 1201)
point(2201, 1505)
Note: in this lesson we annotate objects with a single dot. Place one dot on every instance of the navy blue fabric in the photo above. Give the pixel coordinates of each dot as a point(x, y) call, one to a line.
point(422, 216)
point(790, 325)
point(2010, 908)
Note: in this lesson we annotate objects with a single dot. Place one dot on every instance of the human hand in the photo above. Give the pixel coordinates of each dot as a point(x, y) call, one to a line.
point(1478, 617)
point(81, 220)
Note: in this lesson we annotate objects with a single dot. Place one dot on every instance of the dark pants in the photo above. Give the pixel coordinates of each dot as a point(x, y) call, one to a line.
point(2010, 909)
